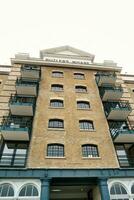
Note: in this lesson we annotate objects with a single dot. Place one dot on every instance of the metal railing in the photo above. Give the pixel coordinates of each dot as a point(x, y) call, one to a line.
point(15, 99)
point(100, 75)
point(16, 123)
point(116, 105)
point(31, 67)
point(126, 161)
point(11, 160)
point(108, 87)
point(26, 82)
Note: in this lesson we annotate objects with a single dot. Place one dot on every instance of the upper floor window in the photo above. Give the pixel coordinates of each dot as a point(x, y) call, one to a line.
point(56, 123)
point(79, 76)
point(6, 190)
point(55, 150)
point(57, 88)
point(56, 103)
point(89, 150)
point(57, 74)
point(117, 191)
point(83, 104)
point(80, 88)
point(86, 125)
point(28, 190)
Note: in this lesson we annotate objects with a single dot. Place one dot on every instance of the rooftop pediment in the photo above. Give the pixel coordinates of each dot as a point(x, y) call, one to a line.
point(66, 51)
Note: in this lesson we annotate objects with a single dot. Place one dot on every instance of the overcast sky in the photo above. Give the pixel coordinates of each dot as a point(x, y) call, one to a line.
point(101, 27)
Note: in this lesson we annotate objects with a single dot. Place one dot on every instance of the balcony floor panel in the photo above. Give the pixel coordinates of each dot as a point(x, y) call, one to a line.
point(15, 135)
point(106, 80)
point(124, 138)
point(26, 90)
point(30, 74)
point(118, 114)
point(112, 95)
point(21, 110)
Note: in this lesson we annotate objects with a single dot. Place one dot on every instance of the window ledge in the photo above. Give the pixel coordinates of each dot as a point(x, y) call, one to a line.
point(56, 129)
point(56, 107)
point(82, 92)
point(94, 158)
point(57, 91)
point(57, 76)
point(88, 109)
point(54, 157)
point(83, 130)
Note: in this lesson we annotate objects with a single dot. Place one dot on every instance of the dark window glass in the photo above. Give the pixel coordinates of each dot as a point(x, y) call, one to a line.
point(132, 189)
point(55, 150)
point(13, 154)
point(56, 123)
point(86, 125)
point(56, 103)
point(28, 190)
point(57, 74)
point(81, 89)
point(83, 104)
point(89, 150)
point(117, 188)
point(79, 76)
point(6, 190)
point(57, 88)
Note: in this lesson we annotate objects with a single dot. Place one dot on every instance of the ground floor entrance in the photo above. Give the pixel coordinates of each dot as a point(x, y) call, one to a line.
point(79, 189)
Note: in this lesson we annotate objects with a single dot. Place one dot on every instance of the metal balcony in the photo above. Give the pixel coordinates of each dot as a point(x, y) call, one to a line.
point(30, 72)
point(23, 106)
point(105, 78)
point(24, 87)
point(109, 92)
point(17, 129)
point(121, 132)
point(117, 110)
point(8, 160)
point(126, 161)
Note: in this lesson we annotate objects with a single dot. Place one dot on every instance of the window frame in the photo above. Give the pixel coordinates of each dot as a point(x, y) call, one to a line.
point(60, 74)
point(58, 88)
point(28, 184)
point(86, 125)
point(10, 187)
point(59, 122)
point(79, 75)
point(90, 151)
point(56, 150)
point(56, 103)
point(116, 195)
point(82, 102)
point(81, 89)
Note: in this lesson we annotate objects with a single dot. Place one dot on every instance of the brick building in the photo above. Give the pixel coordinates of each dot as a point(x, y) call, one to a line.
point(67, 128)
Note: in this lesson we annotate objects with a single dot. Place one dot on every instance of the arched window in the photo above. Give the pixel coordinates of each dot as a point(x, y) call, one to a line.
point(28, 191)
point(56, 123)
point(57, 74)
point(81, 89)
point(55, 150)
point(57, 88)
point(132, 189)
point(79, 76)
point(83, 104)
point(6, 190)
point(86, 125)
point(56, 103)
point(118, 192)
point(89, 150)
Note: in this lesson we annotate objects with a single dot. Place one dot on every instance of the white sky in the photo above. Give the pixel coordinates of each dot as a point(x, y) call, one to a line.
point(101, 27)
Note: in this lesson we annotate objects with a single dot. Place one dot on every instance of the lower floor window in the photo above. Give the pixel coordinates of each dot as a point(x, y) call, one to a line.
point(89, 150)
point(55, 150)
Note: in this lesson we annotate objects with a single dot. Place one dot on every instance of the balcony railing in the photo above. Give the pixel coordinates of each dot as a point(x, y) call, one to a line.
point(10, 160)
point(126, 161)
point(16, 128)
point(117, 110)
point(30, 72)
point(109, 92)
point(23, 106)
point(105, 78)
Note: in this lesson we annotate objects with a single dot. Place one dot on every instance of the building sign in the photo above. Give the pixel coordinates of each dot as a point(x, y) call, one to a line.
point(68, 61)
